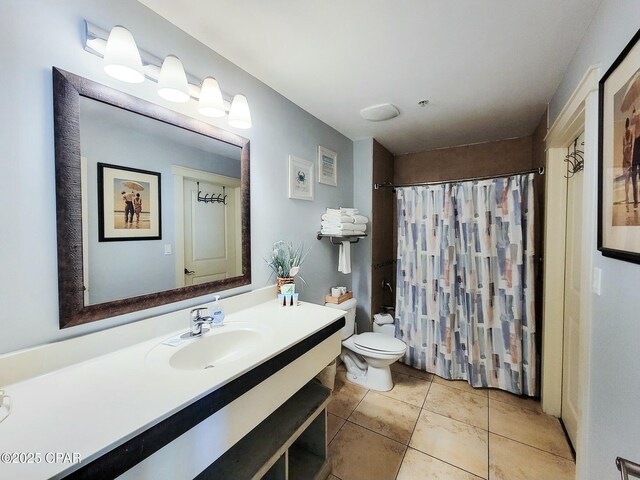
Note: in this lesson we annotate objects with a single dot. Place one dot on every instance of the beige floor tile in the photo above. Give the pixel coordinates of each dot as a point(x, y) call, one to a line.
point(518, 401)
point(345, 397)
point(413, 372)
point(451, 441)
point(408, 389)
point(458, 405)
point(334, 424)
point(529, 427)
point(360, 454)
point(386, 416)
point(417, 466)
point(460, 385)
point(509, 460)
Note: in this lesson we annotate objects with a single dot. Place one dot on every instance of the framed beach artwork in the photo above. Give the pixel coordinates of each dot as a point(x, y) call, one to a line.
point(128, 204)
point(300, 178)
point(619, 157)
point(327, 166)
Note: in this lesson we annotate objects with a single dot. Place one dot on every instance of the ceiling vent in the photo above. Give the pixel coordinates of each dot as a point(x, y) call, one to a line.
point(378, 113)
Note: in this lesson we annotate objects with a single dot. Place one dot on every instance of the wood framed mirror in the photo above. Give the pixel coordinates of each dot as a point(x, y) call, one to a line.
point(127, 169)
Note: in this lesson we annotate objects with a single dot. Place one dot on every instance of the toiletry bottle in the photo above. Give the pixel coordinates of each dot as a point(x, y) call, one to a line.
point(217, 313)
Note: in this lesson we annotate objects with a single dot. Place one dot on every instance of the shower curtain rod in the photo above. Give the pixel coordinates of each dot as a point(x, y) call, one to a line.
point(376, 186)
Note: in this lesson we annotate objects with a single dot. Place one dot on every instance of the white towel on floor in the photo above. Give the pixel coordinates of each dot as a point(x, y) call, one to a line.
point(344, 257)
point(359, 219)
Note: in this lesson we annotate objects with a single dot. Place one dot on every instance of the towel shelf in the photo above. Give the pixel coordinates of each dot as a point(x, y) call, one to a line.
point(341, 238)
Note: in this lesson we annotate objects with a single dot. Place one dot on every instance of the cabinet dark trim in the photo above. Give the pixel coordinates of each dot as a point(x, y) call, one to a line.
point(143, 445)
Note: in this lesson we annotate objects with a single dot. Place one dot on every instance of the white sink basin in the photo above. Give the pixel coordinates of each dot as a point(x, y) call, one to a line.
point(218, 346)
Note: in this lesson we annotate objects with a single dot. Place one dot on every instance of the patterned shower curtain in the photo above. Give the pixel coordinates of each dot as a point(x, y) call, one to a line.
point(465, 283)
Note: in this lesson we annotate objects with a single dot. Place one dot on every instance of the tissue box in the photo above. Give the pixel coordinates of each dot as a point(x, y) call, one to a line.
point(340, 299)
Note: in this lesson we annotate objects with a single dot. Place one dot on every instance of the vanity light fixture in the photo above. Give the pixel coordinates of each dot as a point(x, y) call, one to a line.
point(211, 103)
point(121, 56)
point(239, 115)
point(172, 83)
point(177, 85)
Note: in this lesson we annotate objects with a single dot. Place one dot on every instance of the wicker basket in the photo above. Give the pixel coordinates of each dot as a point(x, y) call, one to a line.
point(284, 281)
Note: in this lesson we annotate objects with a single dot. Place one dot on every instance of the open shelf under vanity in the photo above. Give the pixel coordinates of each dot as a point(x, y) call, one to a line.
point(291, 443)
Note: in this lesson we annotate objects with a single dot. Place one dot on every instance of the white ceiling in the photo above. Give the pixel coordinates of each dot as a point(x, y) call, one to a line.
point(488, 67)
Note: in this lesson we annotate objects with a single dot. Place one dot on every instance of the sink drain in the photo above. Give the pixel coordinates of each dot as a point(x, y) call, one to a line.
point(209, 366)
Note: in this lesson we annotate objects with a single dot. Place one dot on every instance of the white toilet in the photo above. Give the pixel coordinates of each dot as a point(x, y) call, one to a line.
point(367, 356)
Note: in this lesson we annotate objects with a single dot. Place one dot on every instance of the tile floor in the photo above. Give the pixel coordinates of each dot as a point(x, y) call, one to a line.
point(430, 428)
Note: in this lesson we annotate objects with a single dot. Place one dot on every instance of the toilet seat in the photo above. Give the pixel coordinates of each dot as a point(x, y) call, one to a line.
point(379, 343)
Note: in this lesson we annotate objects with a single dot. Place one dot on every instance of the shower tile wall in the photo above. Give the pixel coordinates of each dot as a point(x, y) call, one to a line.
point(467, 161)
point(382, 231)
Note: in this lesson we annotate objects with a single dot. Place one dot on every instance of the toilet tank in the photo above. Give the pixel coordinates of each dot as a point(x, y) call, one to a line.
point(350, 318)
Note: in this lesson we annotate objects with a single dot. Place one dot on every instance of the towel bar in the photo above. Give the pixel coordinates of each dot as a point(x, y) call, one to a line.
point(341, 238)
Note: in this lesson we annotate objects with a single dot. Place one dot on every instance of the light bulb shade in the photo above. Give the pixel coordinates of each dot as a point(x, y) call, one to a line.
point(211, 103)
point(239, 115)
point(172, 83)
point(121, 57)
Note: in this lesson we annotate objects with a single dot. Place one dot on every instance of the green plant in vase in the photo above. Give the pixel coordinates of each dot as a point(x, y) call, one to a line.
point(285, 262)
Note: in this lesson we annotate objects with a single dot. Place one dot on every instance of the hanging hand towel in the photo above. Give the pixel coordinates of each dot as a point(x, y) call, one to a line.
point(344, 257)
point(359, 219)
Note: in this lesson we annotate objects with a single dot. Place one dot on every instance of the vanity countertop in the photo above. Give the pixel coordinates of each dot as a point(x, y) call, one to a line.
point(91, 407)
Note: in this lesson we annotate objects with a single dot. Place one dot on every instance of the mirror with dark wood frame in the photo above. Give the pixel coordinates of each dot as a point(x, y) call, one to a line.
point(152, 205)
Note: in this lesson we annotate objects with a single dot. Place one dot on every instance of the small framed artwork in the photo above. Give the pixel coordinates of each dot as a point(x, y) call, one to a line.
point(619, 157)
point(327, 166)
point(128, 204)
point(300, 178)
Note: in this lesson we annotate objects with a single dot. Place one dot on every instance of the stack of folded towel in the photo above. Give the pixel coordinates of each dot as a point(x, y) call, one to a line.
point(343, 221)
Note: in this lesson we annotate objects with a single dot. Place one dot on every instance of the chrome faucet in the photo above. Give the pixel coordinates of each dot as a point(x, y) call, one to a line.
point(197, 321)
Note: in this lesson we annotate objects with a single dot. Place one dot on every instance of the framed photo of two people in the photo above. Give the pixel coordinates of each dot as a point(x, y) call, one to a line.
point(128, 204)
point(619, 157)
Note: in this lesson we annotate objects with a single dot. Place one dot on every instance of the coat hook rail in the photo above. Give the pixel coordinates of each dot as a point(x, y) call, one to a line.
point(212, 198)
point(575, 160)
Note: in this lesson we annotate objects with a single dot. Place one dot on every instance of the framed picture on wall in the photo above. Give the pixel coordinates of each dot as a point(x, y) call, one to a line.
point(128, 204)
point(327, 166)
point(619, 157)
point(300, 178)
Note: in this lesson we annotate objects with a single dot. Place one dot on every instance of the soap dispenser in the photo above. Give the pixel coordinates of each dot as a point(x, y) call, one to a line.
point(217, 313)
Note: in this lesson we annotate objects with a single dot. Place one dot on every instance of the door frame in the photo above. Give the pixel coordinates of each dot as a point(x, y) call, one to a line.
point(179, 175)
point(579, 113)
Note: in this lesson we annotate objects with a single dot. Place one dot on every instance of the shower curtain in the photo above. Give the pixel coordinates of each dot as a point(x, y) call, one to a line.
point(465, 282)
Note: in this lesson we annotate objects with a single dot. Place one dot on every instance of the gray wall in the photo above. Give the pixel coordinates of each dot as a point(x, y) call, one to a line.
point(613, 421)
point(39, 34)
